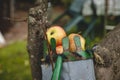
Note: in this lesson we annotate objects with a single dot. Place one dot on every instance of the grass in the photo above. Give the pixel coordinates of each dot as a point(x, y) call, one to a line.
point(14, 62)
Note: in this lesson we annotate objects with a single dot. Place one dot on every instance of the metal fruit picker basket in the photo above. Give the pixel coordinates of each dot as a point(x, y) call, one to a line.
point(70, 66)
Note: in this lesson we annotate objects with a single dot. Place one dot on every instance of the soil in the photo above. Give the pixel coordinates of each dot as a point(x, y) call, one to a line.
point(18, 30)
point(109, 50)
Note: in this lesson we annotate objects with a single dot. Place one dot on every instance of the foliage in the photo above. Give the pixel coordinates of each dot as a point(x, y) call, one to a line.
point(14, 63)
point(66, 3)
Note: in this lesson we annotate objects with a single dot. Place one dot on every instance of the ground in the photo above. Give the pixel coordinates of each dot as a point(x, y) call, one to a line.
point(14, 57)
point(18, 30)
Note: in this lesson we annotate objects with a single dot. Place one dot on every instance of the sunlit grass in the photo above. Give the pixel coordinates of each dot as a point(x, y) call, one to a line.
point(14, 62)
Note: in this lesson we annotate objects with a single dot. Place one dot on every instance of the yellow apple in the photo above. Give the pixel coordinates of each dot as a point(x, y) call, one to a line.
point(72, 46)
point(59, 49)
point(57, 33)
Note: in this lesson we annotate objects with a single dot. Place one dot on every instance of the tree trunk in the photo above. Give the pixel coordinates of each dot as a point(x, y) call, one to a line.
point(109, 50)
point(36, 22)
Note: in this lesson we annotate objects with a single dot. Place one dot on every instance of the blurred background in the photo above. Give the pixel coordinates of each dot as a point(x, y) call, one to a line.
point(91, 18)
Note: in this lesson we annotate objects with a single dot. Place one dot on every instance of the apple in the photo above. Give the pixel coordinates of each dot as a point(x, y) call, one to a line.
point(59, 49)
point(57, 33)
point(72, 46)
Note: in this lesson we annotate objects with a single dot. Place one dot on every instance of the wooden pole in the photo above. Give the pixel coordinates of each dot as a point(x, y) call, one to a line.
point(36, 22)
point(106, 14)
point(12, 9)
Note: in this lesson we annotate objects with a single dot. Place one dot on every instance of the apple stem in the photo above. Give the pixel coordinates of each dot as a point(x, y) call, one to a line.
point(49, 49)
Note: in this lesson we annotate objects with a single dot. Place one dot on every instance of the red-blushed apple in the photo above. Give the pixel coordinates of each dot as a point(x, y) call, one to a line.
point(59, 49)
point(72, 46)
point(57, 33)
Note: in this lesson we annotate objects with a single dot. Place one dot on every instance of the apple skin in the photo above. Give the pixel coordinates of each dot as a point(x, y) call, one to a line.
point(59, 49)
point(57, 33)
point(72, 46)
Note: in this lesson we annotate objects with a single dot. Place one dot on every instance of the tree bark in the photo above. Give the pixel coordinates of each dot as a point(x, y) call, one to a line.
point(109, 50)
point(37, 20)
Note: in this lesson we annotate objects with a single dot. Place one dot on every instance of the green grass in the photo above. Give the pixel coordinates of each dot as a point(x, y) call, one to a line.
point(14, 62)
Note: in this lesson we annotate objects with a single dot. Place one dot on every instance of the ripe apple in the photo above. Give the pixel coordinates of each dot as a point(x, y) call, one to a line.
point(57, 33)
point(59, 49)
point(72, 46)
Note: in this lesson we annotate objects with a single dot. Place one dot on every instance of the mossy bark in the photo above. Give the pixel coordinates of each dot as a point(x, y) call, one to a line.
point(37, 20)
point(109, 50)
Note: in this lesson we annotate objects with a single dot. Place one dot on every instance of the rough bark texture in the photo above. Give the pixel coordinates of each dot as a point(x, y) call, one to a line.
point(36, 22)
point(109, 50)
